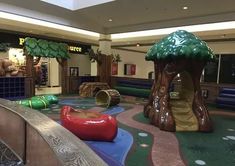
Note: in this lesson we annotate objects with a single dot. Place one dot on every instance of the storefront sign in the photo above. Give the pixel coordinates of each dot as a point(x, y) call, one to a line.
point(17, 41)
point(73, 49)
point(21, 41)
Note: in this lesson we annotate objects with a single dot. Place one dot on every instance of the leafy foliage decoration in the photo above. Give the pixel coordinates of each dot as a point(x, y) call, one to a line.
point(116, 58)
point(95, 57)
point(180, 44)
point(44, 48)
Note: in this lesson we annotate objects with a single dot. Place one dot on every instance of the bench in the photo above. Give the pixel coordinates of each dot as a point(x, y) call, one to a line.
point(135, 87)
point(226, 98)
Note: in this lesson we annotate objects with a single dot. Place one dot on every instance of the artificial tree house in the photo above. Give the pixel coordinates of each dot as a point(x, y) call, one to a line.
point(184, 53)
point(48, 49)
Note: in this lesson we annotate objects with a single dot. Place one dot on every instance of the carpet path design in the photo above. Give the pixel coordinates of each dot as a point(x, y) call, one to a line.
point(165, 150)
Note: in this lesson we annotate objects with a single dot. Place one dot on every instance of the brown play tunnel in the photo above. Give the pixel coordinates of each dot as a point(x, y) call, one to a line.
point(107, 98)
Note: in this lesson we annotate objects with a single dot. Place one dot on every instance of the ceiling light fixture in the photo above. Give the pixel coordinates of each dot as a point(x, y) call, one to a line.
point(185, 7)
point(165, 31)
point(33, 21)
point(110, 20)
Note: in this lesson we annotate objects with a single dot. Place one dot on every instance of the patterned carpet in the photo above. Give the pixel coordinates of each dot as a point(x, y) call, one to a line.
point(149, 145)
point(216, 148)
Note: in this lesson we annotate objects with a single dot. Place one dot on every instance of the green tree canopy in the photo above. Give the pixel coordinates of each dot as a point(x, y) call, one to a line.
point(180, 44)
point(44, 48)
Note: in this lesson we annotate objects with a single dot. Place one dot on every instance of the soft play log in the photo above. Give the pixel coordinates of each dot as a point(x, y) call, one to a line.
point(52, 99)
point(108, 98)
point(39, 102)
point(88, 125)
point(34, 102)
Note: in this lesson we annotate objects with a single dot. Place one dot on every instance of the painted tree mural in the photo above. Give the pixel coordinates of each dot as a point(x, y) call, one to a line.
point(180, 51)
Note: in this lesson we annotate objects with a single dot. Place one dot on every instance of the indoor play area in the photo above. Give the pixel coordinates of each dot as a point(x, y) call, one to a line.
point(118, 121)
point(117, 83)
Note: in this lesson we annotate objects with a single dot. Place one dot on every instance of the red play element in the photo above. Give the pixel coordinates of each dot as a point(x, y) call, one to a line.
point(114, 68)
point(89, 125)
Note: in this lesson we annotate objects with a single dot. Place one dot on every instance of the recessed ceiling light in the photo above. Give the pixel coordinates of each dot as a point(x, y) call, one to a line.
point(185, 7)
point(138, 44)
point(110, 20)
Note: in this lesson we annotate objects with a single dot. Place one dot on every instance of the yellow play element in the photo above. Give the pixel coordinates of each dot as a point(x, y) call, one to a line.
point(182, 106)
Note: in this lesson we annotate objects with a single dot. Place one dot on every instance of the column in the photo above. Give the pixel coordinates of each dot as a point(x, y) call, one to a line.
point(105, 44)
point(104, 69)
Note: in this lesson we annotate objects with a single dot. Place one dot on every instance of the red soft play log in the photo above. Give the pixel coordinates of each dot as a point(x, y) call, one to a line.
point(88, 125)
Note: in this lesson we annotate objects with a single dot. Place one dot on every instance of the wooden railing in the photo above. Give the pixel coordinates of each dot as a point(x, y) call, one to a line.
point(40, 141)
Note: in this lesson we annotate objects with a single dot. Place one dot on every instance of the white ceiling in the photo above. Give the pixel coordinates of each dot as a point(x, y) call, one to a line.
point(127, 15)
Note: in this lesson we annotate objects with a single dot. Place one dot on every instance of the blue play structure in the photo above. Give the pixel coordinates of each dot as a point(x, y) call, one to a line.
point(226, 98)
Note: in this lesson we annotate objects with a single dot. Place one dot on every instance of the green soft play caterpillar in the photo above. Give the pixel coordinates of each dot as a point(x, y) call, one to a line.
point(39, 102)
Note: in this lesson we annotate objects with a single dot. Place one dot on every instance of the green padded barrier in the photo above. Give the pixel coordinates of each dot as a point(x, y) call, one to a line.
point(133, 91)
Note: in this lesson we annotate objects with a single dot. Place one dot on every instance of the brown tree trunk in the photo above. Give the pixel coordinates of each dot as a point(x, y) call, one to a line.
point(64, 70)
point(199, 108)
point(30, 77)
point(163, 117)
point(104, 68)
point(158, 108)
point(154, 112)
point(149, 106)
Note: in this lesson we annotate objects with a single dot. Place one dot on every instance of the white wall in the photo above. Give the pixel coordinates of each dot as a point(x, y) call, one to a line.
point(142, 67)
point(94, 64)
point(223, 47)
point(128, 57)
point(82, 61)
point(53, 72)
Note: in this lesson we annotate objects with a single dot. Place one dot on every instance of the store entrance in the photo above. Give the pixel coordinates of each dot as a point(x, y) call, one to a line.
point(46, 71)
point(47, 77)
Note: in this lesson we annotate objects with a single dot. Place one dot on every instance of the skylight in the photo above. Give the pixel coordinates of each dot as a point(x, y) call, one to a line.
point(76, 4)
